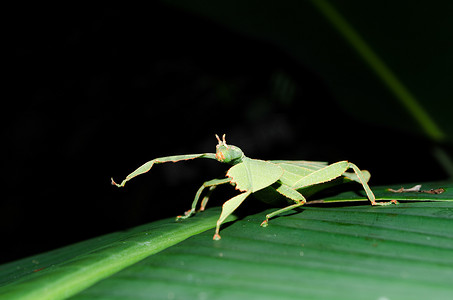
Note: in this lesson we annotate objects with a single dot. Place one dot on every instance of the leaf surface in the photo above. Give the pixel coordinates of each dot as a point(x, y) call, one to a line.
point(317, 252)
point(360, 252)
point(63, 272)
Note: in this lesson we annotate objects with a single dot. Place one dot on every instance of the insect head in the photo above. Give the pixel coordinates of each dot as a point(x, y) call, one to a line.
point(228, 153)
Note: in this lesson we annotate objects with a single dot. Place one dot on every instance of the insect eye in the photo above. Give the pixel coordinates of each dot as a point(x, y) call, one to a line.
point(220, 156)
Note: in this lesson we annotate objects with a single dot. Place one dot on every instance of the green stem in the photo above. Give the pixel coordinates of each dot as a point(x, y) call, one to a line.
point(407, 99)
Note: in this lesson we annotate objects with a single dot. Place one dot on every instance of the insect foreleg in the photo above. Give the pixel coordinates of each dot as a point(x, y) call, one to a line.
point(211, 184)
point(147, 166)
point(227, 209)
point(205, 199)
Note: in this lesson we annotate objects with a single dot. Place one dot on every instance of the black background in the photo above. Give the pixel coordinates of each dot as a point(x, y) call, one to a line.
point(94, 93)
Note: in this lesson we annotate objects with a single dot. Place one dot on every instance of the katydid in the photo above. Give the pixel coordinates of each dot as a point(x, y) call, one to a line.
point(289, 178)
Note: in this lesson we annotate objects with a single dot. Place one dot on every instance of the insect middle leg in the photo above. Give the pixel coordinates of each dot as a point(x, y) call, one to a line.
point(291, 194)
point(212, 184)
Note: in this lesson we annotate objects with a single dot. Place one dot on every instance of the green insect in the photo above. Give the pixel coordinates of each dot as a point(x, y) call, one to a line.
point(266, 179)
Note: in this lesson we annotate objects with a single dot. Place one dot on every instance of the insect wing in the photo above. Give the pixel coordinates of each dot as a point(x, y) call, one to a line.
point(293, 173)
point(312, 165)
point(323, 175)
point(254, 174)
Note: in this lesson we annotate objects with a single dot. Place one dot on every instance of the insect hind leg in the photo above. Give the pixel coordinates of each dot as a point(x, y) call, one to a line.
point(369, 193)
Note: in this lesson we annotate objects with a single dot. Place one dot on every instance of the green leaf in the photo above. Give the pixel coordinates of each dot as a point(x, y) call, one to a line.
point(63, 272)
point(317, 252)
